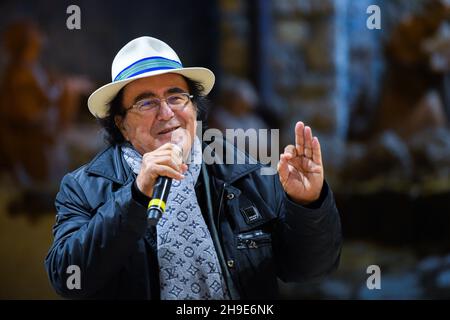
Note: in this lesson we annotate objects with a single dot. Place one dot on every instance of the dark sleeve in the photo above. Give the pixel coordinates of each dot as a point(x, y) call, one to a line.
point(138, 196)
point(308, 239)
point(97, 240)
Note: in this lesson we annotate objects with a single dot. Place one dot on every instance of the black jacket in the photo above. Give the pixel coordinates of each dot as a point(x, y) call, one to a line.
point(259, 233)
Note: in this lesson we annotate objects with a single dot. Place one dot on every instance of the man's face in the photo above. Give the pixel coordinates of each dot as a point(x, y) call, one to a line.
point(147, 131)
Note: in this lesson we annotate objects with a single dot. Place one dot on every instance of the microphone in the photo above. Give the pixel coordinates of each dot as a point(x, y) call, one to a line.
point(157, 204)
point(161, 189)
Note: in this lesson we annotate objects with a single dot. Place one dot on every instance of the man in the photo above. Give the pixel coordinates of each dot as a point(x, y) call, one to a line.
point(228, 232)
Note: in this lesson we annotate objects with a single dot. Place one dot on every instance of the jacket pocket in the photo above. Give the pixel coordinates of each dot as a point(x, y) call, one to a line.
point(255, 266)
point(253, 240)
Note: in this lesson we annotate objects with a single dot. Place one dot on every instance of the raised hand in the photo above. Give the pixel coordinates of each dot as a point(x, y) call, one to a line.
point(300, 167)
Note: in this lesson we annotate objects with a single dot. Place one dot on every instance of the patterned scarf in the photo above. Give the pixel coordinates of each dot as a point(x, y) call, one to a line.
point(189, 267)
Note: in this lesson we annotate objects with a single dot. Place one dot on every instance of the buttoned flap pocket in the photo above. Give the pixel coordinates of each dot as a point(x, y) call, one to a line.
point(253, 240)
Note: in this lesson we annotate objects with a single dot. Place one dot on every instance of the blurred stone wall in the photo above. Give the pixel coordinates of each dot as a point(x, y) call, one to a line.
point(234, 38)
point(304, 62)
point(323, 62)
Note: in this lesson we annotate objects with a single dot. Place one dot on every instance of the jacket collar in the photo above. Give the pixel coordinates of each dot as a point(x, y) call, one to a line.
point(230, 172)
point(111, 165)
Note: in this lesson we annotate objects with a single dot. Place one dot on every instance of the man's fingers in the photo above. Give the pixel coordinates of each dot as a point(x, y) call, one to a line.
point(283, 169)
point(160, 155)
point(299, 138)
point(170, 161)
point(308, 142)
point(173, 154)
point(166, 146)
point(317, 153)
point(290, 151)
point(307, 148)
point(167, 160)
point(163, 170)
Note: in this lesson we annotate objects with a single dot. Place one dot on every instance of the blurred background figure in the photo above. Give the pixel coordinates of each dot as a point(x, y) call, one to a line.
point(36, 108)
point(237, 108)
point(412, 98)
point(407, 136)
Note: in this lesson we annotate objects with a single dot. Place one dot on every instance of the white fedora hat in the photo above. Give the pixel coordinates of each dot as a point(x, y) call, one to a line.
point(140, 58)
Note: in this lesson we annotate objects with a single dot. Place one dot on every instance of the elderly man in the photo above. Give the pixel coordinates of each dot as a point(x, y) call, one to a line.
point(227, 232)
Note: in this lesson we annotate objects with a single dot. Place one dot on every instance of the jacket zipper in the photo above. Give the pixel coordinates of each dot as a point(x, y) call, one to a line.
point(220, 208)
point(253, 240)
point(215, 237)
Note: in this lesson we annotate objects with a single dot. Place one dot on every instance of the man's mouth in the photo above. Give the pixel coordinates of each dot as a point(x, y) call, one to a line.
point(168, 130)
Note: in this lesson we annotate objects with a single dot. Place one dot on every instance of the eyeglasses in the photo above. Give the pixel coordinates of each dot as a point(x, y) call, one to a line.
point(175, 102)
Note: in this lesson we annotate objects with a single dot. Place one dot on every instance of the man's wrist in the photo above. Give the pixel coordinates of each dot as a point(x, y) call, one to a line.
point(138, 195)
point(315, 204)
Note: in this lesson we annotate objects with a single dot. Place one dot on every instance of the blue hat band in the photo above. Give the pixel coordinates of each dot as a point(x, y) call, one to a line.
point(147, 65)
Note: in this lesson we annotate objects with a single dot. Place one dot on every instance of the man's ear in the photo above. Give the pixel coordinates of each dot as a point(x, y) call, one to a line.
point(119, 121)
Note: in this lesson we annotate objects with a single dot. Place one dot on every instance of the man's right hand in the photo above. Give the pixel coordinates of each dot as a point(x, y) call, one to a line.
point(165, 161)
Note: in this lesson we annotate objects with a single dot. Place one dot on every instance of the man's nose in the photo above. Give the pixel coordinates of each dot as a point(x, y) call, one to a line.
point(165, 112)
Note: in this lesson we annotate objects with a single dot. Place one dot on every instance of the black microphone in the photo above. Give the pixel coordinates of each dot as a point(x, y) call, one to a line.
point(157, 204)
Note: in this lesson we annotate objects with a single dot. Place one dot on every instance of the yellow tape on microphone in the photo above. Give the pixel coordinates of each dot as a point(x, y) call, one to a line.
point(157, 203)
